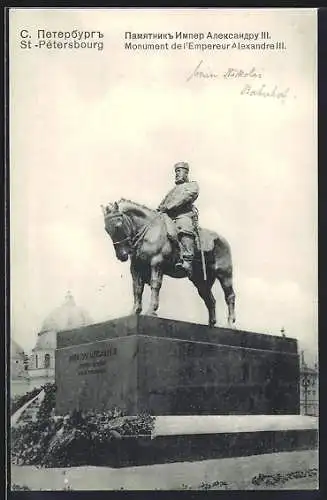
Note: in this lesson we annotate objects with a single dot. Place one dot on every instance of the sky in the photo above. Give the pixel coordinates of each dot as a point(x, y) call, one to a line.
point(89, 126)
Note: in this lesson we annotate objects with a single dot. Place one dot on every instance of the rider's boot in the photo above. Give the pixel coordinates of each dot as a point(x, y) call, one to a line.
point(187, 253)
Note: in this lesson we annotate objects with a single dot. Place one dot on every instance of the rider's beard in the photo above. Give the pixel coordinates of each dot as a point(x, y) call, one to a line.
point(180, 180)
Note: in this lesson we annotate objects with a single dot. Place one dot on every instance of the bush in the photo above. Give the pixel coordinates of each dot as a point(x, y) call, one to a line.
point(49, 402)
point(84, 438)
point(74, 439)
point(281, 478)
point(17, 487)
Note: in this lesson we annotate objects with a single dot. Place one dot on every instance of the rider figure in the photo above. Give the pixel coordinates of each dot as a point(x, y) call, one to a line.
point(178, 205)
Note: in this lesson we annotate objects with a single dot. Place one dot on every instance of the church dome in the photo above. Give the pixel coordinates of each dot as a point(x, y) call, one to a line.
point(16, 351)
point(65, 317)
point(46, 340)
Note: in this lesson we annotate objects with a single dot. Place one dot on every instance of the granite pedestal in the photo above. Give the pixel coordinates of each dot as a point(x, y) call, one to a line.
point(169, 367)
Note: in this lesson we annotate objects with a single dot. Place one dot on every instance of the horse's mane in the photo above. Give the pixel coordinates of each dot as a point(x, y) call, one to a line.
point(139, 205)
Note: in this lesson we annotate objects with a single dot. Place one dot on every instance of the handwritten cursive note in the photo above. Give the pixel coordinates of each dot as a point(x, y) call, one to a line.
point(236, 73)
point(266, 92)
point(252, 78)
point(203, 71)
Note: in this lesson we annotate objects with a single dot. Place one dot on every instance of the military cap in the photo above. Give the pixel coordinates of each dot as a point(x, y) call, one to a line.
point(182, 164)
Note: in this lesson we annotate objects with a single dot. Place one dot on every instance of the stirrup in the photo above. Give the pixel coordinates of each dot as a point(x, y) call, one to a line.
point(184, 265)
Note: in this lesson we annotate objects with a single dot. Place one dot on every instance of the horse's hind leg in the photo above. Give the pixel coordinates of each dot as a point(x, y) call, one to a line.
point(204, 290)
point(225, 278)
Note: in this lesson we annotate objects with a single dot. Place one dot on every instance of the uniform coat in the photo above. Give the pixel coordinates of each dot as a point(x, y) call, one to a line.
point(178, 205)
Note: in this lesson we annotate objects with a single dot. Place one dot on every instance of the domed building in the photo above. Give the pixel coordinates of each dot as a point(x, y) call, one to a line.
point(41, 365)
point(18, 370)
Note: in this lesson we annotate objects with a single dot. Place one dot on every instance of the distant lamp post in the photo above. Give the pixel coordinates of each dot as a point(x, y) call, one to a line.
point(306, 381)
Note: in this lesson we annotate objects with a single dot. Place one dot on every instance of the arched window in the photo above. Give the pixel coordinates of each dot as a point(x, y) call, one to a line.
point(47, 361)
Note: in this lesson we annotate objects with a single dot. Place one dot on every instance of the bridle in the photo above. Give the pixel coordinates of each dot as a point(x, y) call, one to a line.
point(131, 239)
point(125, 219)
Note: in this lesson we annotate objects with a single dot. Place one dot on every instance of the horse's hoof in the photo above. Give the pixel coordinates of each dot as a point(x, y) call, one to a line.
point(151, 313)
point(136, 311)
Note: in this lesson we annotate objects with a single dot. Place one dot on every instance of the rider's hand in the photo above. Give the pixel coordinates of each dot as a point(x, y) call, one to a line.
point(161, 209)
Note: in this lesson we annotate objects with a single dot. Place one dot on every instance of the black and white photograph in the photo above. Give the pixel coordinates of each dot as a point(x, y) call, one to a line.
point(163, 249)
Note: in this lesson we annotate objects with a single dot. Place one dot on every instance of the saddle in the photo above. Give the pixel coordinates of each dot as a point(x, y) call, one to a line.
point(207, 238)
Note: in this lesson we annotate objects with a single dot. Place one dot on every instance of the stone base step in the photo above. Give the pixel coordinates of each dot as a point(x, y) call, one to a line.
point(212, 424)
point(189, 439)
point(197, 447)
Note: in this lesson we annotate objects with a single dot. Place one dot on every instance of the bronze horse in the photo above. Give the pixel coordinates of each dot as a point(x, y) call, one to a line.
point(150, 239)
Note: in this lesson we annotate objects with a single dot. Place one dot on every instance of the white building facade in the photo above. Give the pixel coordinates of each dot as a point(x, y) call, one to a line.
point(40, 367)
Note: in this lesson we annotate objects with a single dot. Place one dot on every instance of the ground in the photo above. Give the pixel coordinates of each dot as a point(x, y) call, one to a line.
point(229, 473)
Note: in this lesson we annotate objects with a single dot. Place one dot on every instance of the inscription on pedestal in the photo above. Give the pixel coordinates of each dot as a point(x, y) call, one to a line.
point(97, 376)
point(88, 363)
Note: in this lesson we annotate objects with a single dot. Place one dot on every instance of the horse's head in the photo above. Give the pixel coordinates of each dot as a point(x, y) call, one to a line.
point(118, 227)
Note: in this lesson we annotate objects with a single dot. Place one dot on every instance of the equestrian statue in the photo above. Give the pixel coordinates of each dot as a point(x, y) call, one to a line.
point(168, 241)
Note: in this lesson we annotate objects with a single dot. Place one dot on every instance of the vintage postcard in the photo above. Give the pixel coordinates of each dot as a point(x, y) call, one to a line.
point(163, 248)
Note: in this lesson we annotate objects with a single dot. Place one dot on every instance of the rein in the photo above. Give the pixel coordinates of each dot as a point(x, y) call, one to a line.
point(132, 240)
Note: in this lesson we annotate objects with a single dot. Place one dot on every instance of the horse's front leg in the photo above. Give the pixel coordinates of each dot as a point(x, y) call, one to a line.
point(138, 287)
point(155, 284)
